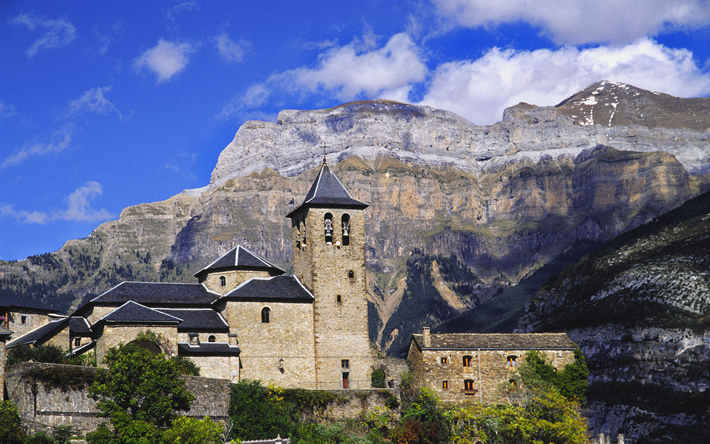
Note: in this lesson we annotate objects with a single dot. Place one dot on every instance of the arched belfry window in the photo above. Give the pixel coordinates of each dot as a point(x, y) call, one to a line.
point(351, 274)
point(346, 229)
point(302, 232)
point(222, 281)
point(265, 315)
point(328, 227)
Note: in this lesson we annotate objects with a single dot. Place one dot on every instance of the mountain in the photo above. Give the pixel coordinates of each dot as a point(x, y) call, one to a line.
point(639, 308)
point(501, 200)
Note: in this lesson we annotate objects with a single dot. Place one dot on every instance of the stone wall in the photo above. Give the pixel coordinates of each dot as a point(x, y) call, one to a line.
point(42, 407)
point(288, 336)
point(444, 371)
point(113, 335)
point(32, 319)
point(233, 278)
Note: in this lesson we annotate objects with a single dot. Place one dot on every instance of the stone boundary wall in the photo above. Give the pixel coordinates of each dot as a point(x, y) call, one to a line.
point(42, 407)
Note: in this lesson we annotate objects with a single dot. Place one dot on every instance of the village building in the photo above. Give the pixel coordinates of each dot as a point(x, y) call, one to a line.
point(23, 315)
point(474, 366)
point(245, 318)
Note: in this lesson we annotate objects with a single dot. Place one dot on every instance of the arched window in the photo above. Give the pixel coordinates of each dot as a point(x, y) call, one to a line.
point(339, 299)
point(467, 361)
point(222, 281)
point(351, 274)
point(346, 229)
point(445, 385)
point(328, 227)
point(265, 315)
point(468, 384)
point(211, 339)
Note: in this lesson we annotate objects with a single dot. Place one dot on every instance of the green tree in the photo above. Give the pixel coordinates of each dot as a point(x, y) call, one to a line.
point(258, 412)
point(193, 431)
point(139, 393)
point(546, 417)
point(571, 382)
point(11, 431)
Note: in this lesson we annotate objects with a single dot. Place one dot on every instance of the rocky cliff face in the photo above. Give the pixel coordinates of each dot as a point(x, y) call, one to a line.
point(504, 198)
point(639, 308)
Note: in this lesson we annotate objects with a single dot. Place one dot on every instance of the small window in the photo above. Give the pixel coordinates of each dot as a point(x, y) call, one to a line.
point(339, 299)
point(512, 363)
point(345, 363)
point(467, 361)
point(23, 319)
point(77, 342)
point(445, 385)
point(265, 315)
point(211, 339)
point(351, 274)
point(222, 281)
point(468, 384)
point(444, 360)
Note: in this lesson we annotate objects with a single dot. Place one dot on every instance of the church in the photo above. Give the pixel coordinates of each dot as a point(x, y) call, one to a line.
point(245, 318)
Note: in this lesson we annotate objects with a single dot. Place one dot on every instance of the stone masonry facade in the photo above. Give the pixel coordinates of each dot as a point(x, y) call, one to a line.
point(470, 366)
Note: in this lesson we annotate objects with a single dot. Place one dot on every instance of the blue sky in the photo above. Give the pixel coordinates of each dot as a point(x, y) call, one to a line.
point(105, 104)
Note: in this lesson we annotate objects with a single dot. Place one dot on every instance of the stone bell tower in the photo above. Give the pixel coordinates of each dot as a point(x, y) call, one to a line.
point(329, 259)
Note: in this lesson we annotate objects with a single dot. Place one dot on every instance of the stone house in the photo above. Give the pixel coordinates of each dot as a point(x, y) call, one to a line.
point(473, 366)
point(23, 315)
point(245, 318)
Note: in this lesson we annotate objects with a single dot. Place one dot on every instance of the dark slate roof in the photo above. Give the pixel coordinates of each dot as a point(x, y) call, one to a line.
point(240, 258)
point(5, 331)
point(132, 312)
point(83, 348)
point(497, 341)
point(274, 288)
point(79, 326)
point(208, 349)
point(155, 293)
point(197, 319)
point(327, 190)
point(19, 303)
point(39, 333)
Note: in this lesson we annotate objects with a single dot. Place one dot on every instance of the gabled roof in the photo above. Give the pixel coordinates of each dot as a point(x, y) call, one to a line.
point(14, 304)
point(271, 289)
point(197, 319)
point(157, 293)
point(132, 312)
point(327, 190)
point(497, 341)
point(240, 258)
point(208, 349)
point(39, 333)
point(5, 331)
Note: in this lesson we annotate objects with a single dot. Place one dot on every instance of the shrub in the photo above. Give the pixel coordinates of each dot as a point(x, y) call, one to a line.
point(378, 378)
point(11, 431)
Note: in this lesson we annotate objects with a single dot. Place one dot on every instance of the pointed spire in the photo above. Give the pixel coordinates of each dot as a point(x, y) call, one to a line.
point(328, 191)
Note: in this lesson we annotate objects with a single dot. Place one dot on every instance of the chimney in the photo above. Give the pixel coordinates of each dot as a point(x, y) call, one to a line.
point(427, 337)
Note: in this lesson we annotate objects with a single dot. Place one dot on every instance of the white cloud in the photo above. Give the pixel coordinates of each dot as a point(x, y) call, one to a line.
point(33, 217)
point(60, 141)
point(6, 110)
point(582, 21)
point(359, 70)
point(479, 90)
point(93, 101)
point(166, 59)
point(57, 33)
point(230, 50)
point(78, 208)
point(356, 70)
point(179, 8)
